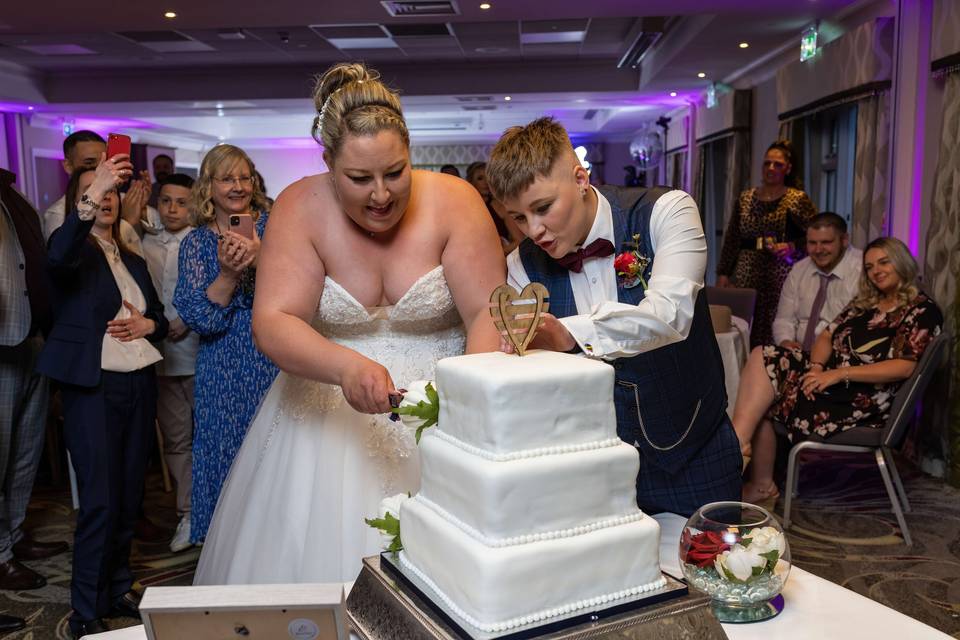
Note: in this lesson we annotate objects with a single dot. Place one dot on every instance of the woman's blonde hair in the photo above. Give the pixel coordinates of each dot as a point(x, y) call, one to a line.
point(523, 154)
point(903, 264)
point(350, 99)
point(221, 158)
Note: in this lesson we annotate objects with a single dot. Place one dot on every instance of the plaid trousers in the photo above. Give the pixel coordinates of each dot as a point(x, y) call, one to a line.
point(23, 413)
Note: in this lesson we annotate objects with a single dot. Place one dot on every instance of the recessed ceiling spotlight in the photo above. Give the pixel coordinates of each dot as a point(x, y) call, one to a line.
point(29, 108)
point(673, 94)
point(485, 5)
point(701, 75)
point(170, 14)
point(744, 45)
point(507, 98)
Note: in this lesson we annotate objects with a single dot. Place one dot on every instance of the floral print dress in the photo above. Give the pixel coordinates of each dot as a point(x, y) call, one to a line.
point(231, 375)
point(859, 337)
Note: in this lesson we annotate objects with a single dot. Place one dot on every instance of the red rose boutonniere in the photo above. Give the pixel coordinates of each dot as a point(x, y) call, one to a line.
point(630, 266)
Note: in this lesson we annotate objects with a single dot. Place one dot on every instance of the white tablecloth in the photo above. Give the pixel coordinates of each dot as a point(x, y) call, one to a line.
point(733, 350)
point(815, 608)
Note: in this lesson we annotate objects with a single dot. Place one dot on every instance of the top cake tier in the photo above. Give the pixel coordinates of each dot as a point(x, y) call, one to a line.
point(507, 405)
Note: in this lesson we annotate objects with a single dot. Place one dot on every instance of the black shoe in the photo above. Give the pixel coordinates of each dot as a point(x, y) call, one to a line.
point(128, 606)
point(11, 623)
point(81, 628)
point(17, 577)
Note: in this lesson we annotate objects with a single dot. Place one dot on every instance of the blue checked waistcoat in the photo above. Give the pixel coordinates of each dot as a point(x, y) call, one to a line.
point(669, 400)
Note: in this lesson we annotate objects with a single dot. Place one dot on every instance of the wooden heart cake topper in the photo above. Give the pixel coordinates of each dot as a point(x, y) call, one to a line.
point(518, 315)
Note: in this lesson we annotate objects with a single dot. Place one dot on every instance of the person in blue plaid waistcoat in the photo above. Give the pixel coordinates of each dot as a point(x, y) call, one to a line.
point(625, 271)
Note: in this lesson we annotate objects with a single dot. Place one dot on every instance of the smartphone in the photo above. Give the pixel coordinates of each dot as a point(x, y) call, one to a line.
point(117, 143)
point(242, 224)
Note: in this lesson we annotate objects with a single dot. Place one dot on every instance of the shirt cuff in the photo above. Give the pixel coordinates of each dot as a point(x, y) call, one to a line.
point(585, 333)
point(86, 212)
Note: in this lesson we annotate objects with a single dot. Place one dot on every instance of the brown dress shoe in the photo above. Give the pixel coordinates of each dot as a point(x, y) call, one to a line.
point(17, 577)
point(29, 549)
point(146, 531)
point(128, 606)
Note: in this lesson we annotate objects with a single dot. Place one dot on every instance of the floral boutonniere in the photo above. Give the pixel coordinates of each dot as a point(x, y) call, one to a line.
point(630, 265)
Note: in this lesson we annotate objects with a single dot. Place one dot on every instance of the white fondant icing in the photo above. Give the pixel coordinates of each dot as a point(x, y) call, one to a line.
point(529, 495)
point(526, 453)
point(490, 587)
point(504, 403)
point(529, 538)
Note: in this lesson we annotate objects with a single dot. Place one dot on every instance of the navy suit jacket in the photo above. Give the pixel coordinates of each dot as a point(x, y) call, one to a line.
point(85, 298)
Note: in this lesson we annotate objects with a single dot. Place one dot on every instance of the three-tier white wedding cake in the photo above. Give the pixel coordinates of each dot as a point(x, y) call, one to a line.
point(527, 505)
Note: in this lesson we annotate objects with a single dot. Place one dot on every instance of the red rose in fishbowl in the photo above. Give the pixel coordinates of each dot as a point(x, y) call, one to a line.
point(623, 262)
point(704, 547)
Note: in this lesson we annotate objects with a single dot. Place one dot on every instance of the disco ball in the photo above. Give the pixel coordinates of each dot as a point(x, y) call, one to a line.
point(647, 150)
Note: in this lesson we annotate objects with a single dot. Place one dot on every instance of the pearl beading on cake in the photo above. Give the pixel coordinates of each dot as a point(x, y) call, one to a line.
point(524, 539)
point(537, 616)
point(527, 453)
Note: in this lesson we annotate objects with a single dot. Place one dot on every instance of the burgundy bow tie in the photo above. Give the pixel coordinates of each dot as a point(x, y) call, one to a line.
point(599, 248)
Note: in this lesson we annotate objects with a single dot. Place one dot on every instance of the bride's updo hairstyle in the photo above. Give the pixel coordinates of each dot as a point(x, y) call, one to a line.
point(350, 99)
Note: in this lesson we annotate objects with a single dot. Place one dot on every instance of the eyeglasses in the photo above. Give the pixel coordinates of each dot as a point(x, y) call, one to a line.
point(776, 164)
point(228, 181)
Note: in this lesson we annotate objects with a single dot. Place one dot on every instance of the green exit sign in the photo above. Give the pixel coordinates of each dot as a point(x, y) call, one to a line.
point(808, 44)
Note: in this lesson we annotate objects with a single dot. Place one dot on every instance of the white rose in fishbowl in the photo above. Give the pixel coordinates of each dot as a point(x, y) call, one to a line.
point(763, 540)
point(738, 562)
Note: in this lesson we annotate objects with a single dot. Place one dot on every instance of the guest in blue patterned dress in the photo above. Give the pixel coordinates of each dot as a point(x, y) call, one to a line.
point(214, 297)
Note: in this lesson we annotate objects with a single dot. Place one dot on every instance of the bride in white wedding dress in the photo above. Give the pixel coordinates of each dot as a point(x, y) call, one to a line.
point(368, 275)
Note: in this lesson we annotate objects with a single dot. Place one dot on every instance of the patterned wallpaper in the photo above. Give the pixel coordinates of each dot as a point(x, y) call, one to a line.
point(429, 156)
point(860, 57)
point(946, 29)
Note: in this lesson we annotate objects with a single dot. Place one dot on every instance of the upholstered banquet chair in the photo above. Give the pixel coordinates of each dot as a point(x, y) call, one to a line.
point(880, 442)
point(741, 301)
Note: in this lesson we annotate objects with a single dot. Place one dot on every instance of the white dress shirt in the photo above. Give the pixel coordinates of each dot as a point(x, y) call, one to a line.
point(800, 288)
point(124, 357)
point(607, 328)
point(162, 253)
point(53, 220)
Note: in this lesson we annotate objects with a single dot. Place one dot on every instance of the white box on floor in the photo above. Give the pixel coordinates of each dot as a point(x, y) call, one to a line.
point(257, 612)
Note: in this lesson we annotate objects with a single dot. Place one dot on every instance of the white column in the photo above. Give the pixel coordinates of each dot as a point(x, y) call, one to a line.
point(690, 122)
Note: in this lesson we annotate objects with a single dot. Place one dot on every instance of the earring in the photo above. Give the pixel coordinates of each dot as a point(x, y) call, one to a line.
point(583, 192)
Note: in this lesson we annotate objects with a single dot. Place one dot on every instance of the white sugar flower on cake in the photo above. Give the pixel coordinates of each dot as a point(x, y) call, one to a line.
point(420, 406)
point(389, 522)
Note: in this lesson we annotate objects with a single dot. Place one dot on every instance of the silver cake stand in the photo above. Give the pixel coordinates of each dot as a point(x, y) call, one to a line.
point(387, 602)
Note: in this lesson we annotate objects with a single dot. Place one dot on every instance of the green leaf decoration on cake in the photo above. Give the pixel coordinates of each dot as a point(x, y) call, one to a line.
point(421, 414)
point(391, 527)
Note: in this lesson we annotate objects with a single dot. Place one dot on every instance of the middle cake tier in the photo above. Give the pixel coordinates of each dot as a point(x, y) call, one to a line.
point(537, 494)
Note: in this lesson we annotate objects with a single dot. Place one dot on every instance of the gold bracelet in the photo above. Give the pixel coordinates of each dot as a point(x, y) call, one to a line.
point(818, 364)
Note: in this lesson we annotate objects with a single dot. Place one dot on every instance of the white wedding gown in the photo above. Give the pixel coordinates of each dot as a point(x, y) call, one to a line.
point(311, 468)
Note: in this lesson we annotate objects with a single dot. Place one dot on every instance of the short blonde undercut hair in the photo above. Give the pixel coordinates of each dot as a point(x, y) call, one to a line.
point(524, 153)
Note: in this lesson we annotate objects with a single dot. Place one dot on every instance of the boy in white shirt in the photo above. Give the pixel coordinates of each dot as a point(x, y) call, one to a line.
point(175, 372)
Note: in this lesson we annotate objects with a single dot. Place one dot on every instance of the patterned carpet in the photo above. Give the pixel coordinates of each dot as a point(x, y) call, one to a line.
point(843, 532)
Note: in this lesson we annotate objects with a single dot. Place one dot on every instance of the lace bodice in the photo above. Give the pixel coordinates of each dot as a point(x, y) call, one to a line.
point(408, 338)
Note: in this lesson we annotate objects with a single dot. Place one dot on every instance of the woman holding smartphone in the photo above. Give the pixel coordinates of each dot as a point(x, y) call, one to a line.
point(100, 350)
point(214, 297)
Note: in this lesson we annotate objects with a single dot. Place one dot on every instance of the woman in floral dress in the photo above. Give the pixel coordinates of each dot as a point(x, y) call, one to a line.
point(849, 378)
point(765, 236)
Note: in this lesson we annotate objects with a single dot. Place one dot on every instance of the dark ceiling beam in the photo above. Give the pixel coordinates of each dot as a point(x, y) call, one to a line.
point(291, 81)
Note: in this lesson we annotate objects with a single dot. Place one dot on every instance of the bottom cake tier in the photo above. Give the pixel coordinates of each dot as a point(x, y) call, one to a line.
point(499, 588)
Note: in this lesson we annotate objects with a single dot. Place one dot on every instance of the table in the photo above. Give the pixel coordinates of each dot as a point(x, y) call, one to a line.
point(815, 608)
point(733, 352)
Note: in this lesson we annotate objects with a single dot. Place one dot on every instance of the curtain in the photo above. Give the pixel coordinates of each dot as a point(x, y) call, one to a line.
point(940, 423)
point(871, 171)
point(723, 172)
point(676, 169)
